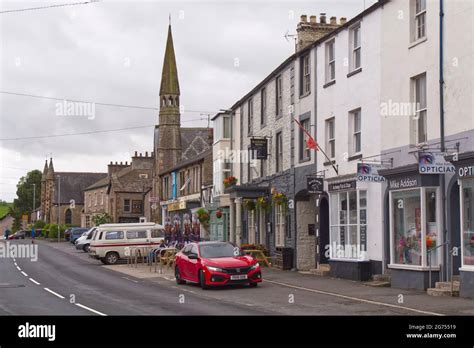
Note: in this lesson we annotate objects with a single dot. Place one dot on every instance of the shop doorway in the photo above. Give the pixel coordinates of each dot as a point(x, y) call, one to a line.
point(323, 230)
point(454, 224)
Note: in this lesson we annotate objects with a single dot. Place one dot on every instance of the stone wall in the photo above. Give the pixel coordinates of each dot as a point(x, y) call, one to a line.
point(306, 244)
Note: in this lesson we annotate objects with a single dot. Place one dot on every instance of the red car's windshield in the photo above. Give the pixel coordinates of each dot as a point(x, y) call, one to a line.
point(219, 250)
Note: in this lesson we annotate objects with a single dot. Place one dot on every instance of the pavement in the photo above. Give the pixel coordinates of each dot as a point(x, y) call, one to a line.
point(65, 281)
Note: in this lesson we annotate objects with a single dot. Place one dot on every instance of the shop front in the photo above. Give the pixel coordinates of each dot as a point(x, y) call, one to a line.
point(349, 254)
point(414, 225)
point(465, 170)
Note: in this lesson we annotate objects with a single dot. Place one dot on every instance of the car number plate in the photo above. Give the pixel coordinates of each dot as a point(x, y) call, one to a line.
point(238, 277)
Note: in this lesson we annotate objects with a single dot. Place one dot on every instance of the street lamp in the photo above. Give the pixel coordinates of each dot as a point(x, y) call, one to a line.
point(34, 192)
point(59, 208)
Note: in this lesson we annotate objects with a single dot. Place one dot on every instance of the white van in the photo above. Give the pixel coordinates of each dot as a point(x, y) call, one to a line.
point(110, 241)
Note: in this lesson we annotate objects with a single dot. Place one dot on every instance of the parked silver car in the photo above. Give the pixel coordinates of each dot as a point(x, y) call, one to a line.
point(84, 241)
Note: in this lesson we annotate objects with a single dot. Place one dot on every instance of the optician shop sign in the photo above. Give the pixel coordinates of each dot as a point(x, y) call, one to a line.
point(433, 163)
point(466, 171)
point(369, 172)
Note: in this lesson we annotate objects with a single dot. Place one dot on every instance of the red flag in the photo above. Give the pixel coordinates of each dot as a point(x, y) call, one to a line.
point(310, 142)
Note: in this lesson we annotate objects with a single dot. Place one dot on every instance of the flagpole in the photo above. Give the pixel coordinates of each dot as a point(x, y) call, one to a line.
point(317, 144)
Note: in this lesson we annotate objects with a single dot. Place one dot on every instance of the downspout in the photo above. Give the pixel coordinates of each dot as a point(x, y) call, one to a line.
point(443, 147)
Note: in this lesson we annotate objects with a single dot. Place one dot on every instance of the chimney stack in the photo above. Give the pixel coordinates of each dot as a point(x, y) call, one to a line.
point(309, 32)
point(343, 20)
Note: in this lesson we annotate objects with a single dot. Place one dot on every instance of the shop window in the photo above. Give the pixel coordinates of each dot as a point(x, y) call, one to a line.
point(348, 224)
point(414, 227)
point(406, 207)
point(467, 216)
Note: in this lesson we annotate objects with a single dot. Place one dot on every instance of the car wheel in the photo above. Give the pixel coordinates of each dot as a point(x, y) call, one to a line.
point(177, 275)
point(202, 281)
point(86, 248)
point(111, 258)
point(253, 285)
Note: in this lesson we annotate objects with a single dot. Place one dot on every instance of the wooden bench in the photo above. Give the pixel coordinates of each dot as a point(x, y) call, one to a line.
point(260, 256)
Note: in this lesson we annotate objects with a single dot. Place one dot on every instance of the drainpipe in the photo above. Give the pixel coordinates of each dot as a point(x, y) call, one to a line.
point(443, 147)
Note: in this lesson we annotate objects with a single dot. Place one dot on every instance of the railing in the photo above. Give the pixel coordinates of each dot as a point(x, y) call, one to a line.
point(451, 252)
point(429, 251)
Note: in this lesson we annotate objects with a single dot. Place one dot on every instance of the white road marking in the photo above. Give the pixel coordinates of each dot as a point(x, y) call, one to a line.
point(34, 281)
point(54, 293)
point(135, 281)
point(26, 275)
point(90, 309)
point(356, 298)
point(18, 268)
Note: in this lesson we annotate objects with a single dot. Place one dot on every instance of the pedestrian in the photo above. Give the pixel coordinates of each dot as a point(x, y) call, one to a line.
point(7, 232)
point(33, 235)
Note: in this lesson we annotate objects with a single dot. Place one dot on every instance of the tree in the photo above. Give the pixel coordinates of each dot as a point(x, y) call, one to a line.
point(101, 218)
point(23, 204)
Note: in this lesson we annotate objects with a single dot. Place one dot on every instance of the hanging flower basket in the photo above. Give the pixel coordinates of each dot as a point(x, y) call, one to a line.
point(263, 203)
point(230, 181)
point(249, 204)
point(279, 199)
point(203, 216)
point(218, 213)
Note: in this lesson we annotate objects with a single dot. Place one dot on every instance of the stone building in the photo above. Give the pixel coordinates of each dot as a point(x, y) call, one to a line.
point(64, 191)
point(123, 193)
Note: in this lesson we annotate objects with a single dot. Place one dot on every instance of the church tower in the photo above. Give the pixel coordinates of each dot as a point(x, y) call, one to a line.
point(168, 140)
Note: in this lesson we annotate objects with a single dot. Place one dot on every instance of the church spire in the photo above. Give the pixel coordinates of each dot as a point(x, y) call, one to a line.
point(45, 170)
point(50, 174)
point(169, 77)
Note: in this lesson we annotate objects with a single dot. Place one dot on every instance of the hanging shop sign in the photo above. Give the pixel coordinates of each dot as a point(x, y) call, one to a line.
point(433, 163)
point(314, 184)
point(369, 172)
point(177, 206)
point(343, 186)
point(466, 171)
point(260, 148)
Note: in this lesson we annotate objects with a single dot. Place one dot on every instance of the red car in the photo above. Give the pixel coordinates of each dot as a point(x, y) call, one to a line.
point(216, 264)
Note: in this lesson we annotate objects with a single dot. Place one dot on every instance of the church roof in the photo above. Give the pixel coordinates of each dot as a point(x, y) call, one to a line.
point(169, 76)
point(73, 185)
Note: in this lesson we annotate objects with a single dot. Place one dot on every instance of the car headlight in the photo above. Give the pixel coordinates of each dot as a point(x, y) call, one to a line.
point(214, 269)
point(255, 266)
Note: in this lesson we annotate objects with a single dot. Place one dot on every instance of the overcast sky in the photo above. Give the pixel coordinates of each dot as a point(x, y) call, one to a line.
point(112, 52)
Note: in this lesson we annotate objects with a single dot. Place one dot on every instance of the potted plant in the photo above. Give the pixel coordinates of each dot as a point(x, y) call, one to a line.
point(230, 181)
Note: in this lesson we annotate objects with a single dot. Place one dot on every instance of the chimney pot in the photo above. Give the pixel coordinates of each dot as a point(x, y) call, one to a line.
point(343, 20)
point(333, 20)
point(304, 18)
point(120, 162)
point(136, 153)
point(322, 18)
point(140, 154)
point(312, 19)
point(146, 153)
